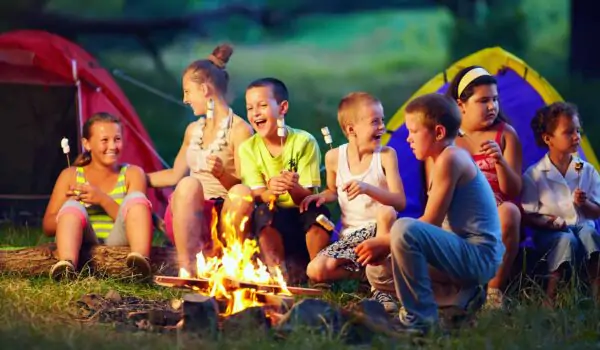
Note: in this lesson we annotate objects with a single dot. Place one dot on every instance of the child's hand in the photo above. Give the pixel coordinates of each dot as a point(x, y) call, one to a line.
point(492, 149)
point(556, 222)
point(214, 165)
point(291, 176)
point(354, 188)
point(579, 197)
point(278, 185)
point(317, 198)
point(372, 251)
point(87, 193)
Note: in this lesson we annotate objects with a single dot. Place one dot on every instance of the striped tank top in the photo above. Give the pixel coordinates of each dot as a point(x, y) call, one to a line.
point(101, 222)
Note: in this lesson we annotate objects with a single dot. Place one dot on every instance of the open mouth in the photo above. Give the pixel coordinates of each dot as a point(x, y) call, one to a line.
point(377, 137)
point(260, 123)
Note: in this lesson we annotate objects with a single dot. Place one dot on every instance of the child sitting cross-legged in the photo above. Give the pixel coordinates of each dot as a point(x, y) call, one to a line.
point(281, 166)
point(99, 200)
point(363, 177)
point(561, 196)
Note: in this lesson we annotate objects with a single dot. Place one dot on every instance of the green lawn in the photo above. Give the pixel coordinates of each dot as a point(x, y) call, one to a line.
point(38, 313)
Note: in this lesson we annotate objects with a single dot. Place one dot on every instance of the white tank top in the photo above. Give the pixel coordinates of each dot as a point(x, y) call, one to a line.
point(362, 209)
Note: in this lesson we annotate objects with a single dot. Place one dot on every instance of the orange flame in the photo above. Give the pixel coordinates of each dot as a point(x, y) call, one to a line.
point(235, 260)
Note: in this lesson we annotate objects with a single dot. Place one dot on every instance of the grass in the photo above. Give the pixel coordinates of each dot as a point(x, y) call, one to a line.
point(387, 53)
point(38, 313)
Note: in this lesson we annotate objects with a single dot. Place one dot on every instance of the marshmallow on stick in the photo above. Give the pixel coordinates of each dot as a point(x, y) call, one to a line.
point(281, 129)
point(578, 169)
point(210, 111)
point(327, 136)
point(64, 144)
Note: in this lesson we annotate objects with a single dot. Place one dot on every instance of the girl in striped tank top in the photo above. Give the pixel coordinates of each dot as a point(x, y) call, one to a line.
point(99, 201)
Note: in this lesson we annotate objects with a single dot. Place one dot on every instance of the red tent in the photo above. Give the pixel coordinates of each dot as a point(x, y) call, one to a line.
point(48, 88)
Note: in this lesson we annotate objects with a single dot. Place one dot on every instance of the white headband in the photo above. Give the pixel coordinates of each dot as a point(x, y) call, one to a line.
point(469, 77)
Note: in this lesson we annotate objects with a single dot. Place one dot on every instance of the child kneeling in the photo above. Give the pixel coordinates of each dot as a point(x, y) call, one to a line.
point(457, 241)
point(99, 200)
point(363, 177)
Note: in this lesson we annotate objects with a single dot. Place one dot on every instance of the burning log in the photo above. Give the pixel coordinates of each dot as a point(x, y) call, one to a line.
point(230, 284)
point(101, 260)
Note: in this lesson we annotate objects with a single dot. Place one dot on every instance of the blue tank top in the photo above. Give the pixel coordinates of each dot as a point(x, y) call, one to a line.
point(473, 215)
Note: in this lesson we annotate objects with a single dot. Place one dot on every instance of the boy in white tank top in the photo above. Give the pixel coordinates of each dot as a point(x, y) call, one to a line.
point(363, 177)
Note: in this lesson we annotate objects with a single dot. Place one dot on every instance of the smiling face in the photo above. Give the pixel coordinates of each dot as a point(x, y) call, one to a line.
point(263, 110)
point(481, 109)
point(370, 127)
point(105, 142)
point(566, 136)
point(195, 95)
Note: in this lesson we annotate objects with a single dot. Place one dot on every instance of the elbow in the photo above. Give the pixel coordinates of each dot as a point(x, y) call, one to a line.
point(48, 228)
point(400, 205)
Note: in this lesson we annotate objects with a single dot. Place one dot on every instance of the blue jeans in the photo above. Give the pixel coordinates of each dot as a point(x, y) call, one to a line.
point(416, 248)
point(576, 243)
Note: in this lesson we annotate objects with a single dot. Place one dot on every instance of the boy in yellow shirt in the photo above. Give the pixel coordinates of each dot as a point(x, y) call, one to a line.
point(282, 166)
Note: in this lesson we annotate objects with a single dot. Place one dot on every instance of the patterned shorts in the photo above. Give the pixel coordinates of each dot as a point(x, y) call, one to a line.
point(344, 247)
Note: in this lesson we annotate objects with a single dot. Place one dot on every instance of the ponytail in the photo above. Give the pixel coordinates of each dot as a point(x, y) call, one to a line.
point(83, 159)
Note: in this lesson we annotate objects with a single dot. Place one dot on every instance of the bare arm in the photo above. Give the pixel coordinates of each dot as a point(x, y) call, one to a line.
point(331, 160)
point(239, 134)
point(393, 196)
point(448, 169)
point(57, 199)
point(170, 177)
point(510, 167)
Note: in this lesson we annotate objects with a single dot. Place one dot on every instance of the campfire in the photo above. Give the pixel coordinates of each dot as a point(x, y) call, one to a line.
point(234, 275)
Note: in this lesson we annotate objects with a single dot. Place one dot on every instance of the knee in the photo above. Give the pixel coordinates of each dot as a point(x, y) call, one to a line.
point(403, 233)
point(386, 214)
point(240, 197)
point(261, 217)
point(73, 208)
point(135, 198)
point(510, 215)
point(314, 270)
point(188, 190)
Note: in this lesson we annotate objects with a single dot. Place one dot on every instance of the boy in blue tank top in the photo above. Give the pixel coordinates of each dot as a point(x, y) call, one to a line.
point(457, 242)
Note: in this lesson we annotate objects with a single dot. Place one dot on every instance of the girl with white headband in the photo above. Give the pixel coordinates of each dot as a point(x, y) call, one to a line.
point(496, 149)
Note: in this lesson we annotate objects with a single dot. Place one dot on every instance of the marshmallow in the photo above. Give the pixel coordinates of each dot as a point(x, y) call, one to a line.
point(327, 135)
point(64, 144)
point(280, 123)
point(325, 222)
point(281, 132)
point(210, 112)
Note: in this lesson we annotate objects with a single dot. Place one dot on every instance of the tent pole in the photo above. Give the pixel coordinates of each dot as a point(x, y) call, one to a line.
point(78, 103)
point(122, 75)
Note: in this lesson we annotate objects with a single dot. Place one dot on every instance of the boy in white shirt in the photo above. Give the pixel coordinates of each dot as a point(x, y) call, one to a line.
point(561, 196)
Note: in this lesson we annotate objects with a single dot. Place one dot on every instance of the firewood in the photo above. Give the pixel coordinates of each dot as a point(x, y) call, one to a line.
point(99, 260)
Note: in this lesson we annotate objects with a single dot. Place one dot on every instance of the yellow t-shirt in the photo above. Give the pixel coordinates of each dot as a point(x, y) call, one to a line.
point(300, 150)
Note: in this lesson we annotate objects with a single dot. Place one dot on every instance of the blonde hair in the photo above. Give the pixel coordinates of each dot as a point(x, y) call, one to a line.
point(349, 107)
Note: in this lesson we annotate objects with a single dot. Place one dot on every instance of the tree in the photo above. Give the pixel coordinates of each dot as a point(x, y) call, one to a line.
point(584, 52)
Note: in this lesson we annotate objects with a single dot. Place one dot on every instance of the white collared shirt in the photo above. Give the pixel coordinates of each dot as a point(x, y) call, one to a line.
point(546, 191)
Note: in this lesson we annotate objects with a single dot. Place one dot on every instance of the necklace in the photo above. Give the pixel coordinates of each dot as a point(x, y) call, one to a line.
point(198, 160)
